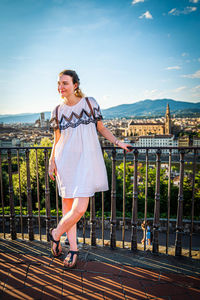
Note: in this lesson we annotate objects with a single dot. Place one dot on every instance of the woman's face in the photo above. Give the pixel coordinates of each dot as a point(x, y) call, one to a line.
point(65, 86)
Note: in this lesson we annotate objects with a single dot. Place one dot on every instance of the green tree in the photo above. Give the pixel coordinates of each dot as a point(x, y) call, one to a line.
point(128, 186)
point(98, 196)
point(5, 182)
point(45, 142)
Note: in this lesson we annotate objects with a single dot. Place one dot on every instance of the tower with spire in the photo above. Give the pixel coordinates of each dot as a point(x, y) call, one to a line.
point(167, 121)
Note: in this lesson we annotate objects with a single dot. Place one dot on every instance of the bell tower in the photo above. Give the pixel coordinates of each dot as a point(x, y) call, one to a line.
point(167, 121)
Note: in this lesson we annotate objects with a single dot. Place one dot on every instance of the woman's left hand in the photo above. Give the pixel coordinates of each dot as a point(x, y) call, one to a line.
point(125, 146)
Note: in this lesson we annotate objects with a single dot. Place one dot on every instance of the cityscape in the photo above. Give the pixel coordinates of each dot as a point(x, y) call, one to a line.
point(164, 131)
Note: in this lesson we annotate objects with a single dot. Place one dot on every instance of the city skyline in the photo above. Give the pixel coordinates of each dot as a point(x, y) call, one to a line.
point(123, 51)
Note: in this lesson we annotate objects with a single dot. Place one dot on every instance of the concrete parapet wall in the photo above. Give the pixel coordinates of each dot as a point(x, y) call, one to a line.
point(119, 223)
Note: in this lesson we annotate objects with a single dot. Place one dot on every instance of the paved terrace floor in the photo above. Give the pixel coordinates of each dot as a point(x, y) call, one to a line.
point(28, 271)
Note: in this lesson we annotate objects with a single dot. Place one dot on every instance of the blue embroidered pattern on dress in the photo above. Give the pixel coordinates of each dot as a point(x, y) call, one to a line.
point(75, 119)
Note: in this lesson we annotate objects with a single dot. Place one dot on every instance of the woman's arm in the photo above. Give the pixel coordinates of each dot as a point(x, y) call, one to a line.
point(109, 136)
point(52, 165)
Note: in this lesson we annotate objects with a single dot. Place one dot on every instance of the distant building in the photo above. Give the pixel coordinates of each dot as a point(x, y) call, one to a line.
point(15, 142)
point(183, 141)
point(153, 128)
point(42, 120)
point(37, 123)
point(168, 122)
point(176, 180)
point(156, 141)
point(118, 131)
point(196, 142)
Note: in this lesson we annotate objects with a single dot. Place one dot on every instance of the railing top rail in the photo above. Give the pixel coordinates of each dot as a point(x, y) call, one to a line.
point(109, 147)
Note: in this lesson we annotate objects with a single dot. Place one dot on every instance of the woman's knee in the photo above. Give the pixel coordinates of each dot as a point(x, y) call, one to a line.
point(81, 205)
point(80, 210)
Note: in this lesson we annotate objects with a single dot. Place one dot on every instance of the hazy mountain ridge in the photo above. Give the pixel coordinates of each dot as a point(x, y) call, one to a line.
point(141, 108)
point(152, 108)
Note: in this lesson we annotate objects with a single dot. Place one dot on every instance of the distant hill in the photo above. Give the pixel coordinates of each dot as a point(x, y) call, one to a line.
point(152, 108)
point(146, 108)
point(23, 118)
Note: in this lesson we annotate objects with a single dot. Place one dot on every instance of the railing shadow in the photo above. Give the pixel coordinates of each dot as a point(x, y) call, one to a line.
point(27, 270)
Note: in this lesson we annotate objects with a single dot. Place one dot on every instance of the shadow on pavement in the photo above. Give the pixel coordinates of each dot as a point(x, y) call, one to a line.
point(28, 271)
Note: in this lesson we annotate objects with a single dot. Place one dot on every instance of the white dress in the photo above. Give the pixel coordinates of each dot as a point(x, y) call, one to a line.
point(80, 164)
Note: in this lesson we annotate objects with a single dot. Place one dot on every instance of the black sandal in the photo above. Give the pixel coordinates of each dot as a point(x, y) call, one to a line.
point(58, 253)
point(71, 259)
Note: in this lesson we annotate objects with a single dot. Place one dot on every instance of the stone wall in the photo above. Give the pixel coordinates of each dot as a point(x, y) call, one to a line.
point(162, 228)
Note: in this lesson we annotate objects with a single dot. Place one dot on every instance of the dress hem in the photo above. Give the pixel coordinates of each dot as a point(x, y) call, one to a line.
point(82, 194)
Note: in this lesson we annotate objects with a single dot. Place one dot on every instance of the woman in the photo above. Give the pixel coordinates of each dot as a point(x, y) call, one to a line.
point(76, 158)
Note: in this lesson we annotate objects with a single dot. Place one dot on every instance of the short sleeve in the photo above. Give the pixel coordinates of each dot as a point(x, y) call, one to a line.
point(53, 120)
point(96, 109)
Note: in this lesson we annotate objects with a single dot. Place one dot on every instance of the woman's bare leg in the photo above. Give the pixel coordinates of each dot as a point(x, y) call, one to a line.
point(78, 209)
point(72, 232)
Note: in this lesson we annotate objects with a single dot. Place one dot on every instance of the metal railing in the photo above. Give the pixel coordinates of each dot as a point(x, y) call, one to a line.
point(186, 153)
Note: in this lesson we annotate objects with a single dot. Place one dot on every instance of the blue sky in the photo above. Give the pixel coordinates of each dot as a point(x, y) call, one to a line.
point(123, 51)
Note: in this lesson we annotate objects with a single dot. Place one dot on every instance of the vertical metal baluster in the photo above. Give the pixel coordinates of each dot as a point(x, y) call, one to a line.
point(113, 202)
point(57, 206)
point(146, 198)
point(47, 194)
point(20, 195)
point(179, 222)
point(192, 208)
point(135, 204)
point(102, 204)
point(92, 221)
point(102, 200)
point(38, 196)
point(11, 196)
point(84, 229)
point(124, 198)
point(2, 198)
point(157, 205)
point(169, 200)
point(29, 198)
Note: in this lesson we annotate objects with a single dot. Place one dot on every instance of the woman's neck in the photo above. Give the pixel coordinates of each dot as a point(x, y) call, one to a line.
point(71, 100)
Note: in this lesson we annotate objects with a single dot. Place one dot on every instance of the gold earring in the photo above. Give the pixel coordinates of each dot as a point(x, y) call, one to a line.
point(76, 91)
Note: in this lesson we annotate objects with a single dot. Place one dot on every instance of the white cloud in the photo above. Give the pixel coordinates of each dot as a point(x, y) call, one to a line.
point(189, 9)
point(154, 91)
point(185, 11)
point(196, 96)
point(179, 89)
point(185, 54)
point(199, 59)
point(136, 1)
point(194, 1)
point(173, 68)
point(196, 88)
point(195, 75)
point(152, 94)
point(146, 15)
point(172, 11)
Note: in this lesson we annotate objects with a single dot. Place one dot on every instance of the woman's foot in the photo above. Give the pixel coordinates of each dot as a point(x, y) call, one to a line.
point(56, 248)
point(70, 260)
